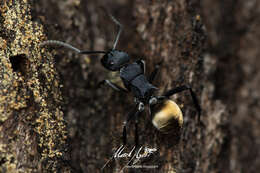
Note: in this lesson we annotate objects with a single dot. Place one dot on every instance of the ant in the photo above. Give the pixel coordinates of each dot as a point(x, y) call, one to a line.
point(165, 113)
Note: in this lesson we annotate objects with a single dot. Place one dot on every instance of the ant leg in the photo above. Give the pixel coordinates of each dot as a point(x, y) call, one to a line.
point(183, 88)
point(124, 136)
point(119, 31)
point(136, 131)
point(140, 108)
point(142, 63)
point(112, 85)
point(130, 115)
point(150, 111)
point(155, 72)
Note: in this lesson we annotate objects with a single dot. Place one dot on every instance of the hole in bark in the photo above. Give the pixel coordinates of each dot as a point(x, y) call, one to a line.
point(19, 63)
point(2, 160)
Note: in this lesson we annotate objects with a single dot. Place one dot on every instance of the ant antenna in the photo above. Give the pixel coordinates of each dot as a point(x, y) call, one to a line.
point(120, 29)
point(60, 43)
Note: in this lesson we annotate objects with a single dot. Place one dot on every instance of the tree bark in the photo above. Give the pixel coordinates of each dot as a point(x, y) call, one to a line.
point(33, 134)
point(53, 118)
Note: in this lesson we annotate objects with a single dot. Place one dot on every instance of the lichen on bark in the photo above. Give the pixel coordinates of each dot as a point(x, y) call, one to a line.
point(32, 129)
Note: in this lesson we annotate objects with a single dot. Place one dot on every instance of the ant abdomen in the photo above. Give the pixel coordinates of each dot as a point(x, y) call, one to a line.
point(167, 117)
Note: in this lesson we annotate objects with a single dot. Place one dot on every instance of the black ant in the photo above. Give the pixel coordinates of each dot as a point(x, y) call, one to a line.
point(165, 113)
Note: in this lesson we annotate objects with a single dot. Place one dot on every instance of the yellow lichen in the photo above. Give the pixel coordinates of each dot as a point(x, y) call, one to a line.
point(18, 89)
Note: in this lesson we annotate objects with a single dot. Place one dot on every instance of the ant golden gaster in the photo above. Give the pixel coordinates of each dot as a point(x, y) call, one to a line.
point(165, 114)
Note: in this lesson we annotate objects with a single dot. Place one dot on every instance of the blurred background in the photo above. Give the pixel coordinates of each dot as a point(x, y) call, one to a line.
point(212, 45)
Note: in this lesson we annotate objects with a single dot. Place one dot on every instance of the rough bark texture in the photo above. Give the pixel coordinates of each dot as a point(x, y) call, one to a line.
point(32, 129)
point(213, 46)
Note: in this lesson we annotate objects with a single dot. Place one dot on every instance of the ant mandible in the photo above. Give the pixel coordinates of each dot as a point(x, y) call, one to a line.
point(165, 113)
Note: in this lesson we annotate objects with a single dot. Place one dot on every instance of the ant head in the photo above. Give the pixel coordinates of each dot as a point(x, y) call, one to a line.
point(114, 59)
